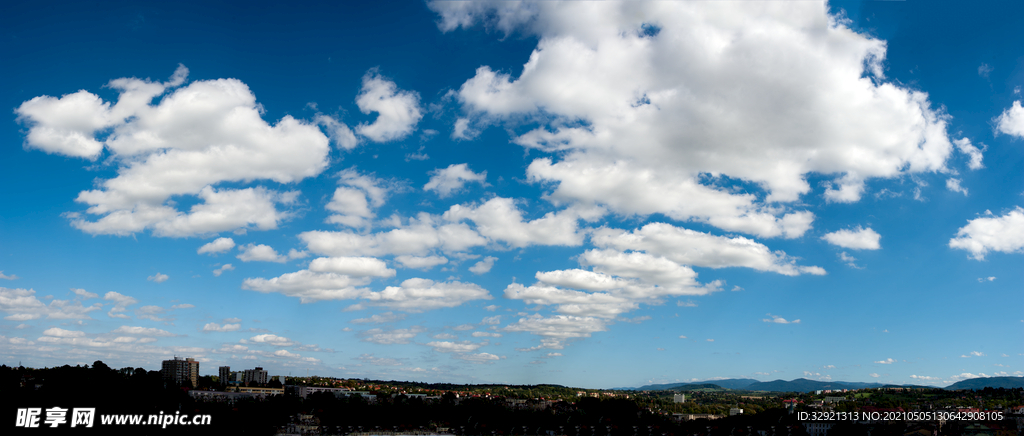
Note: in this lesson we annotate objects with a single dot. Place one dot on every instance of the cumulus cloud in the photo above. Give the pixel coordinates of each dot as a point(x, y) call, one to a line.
point(420, 262)
point(7, 277)
point(219, 245)
point(417, 295)
point(121, 303)
point(195, 137)
point(356, 198)
point(260, 253)
point(398, 111)
point(1011, 121)
point(483, 266)
point(382, 318)
point(423, 234)
point(142, 331)
point(856, 239)
point(556, 331)
point(888, 361)
point(1004, 234)
point(158, 278)
point(214, 327)
point(650, 123)
point(450, 180)
point(689, 247)
point(309, 286)
point(226, 267)
point(83, 293)
point(973, 153)
point(953, 184)
point(499, 219)
point(352, 266)
point(275, 340)
point(393, 336)
point(779, 320)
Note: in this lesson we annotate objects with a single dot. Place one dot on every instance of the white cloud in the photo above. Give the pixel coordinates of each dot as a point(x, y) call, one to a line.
point(557, 330)
point(420, 262)
point(779, 320)
point(486, 335)
point(352, 266)
point(984, 279)
point(195, 137)
point(260, 253)
point(499, 219)
point(397, 111)
point(339, 133)
point(888, 361)
point(383, 318)
point(973, 153)
point(419, 237)
point(688, 247)
point(483, 266)
point(479, 357)
point(451, 180)
point(158, 278)
point(219, 245)
point(275, 340)
point(226, 267)
point(849, 260)
point(61, 333)
point(394, 336)
point(417, 295)
point(354, 201)
point(310, 286)
point(992, 233)
point(953, 184)
point(1011, 121)
point(377, 361)
point(8, 277)
point(214, 327)
point(121, 303)
point(455, 347)
point(183, 306)
point(142, 331)
point(151, 313)
point(646, 123)
point(856, 239)
point(83, 293)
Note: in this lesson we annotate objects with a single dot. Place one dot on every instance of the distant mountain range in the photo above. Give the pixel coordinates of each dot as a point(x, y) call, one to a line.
point(805, 385)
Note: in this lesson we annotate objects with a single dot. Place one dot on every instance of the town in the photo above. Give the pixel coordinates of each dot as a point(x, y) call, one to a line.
point(252, 401)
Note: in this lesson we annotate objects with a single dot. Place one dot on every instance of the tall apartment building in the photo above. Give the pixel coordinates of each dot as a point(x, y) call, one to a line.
point(225, 374)
point(258, 375)
point(180, 370)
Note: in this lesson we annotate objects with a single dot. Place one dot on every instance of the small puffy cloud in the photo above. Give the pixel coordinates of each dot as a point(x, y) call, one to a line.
point(398, 111)
point(226, 267)
point(214, 327)
point(275, 340)
point(455, 347)
point(420, 262)
point(310, 286)
point(260, 253)
point(352, 266)
point(984, 70)
point(849, 260)
point(61, 333)
point(486, 335)
point(83, 293)
point(1004, 234)
point(973, 153)
point(479, 357)
point(450, 180)
point(953, 184)
point(974, 354)
point(423, 234)
point(142, 331)
point(875, 375)
point(555, 331)
point(7, 277)
point(151, 313)
point(856, 239)
point(393, 336)
point(158, 278)
point(417, 295)
point(121, 303)
point(382, 318)
point(355, 200)
point(779, 320)
point(1011, 121)
point(183, 306)
point(483, 266)
point(888, 361)
point(219, 245)
point(985, 279)
point(925, 378)
point(501, 220)
point(341, 135)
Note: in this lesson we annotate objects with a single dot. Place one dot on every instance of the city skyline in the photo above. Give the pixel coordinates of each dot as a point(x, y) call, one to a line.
point(592, 194)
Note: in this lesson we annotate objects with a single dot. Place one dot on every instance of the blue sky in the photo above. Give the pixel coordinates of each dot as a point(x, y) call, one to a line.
point(592, 194)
